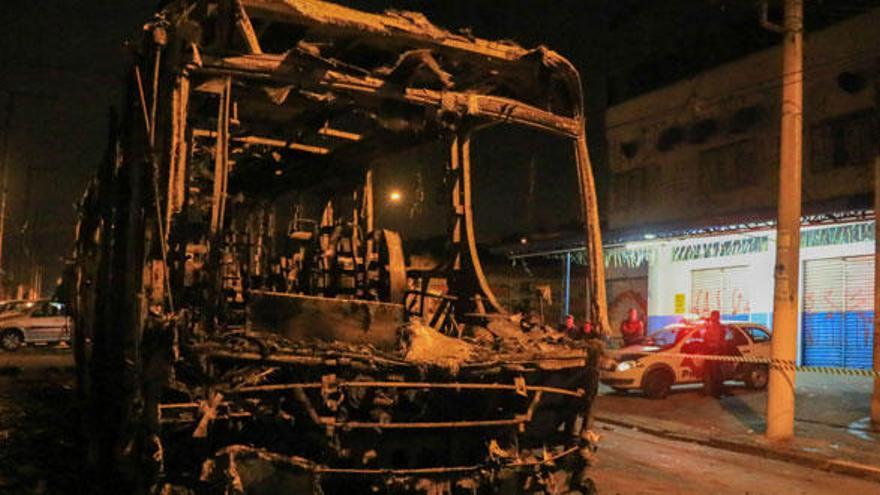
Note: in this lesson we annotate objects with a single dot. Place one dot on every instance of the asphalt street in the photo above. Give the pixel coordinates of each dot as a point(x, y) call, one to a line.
point(632, 463)
point(39, 453)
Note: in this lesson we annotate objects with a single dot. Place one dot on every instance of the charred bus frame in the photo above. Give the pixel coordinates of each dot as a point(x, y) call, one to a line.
point(181, 326)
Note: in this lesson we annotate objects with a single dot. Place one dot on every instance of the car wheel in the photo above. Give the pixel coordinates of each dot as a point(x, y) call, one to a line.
point(12, 340)
point(657, 383)
point(757, 377)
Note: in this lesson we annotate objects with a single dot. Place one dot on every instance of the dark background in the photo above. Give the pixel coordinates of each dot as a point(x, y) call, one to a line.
point(64, 61)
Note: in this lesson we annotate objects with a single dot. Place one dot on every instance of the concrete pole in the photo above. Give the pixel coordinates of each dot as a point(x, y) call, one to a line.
point(780, 394)
point(875, 398)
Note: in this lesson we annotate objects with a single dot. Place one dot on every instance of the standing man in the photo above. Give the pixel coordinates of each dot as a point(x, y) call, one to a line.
point(632, 329)
point(713, 377)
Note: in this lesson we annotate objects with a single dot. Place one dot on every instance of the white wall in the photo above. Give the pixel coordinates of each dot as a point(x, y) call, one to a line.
point(667, 277)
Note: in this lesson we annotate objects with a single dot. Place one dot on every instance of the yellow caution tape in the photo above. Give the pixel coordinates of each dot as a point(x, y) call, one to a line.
point(774, 363)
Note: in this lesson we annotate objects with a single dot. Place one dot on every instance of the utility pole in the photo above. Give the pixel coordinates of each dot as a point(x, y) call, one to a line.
point(875, 398)
point(7, 128)
point(780, 393)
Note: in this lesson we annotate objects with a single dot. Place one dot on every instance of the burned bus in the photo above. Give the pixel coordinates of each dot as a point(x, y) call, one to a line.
point(246, 324)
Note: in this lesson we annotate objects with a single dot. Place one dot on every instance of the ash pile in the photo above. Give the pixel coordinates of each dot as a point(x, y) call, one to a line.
point(245, 322)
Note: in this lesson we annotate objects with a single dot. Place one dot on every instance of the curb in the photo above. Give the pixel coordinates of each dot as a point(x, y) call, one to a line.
point(838, 466)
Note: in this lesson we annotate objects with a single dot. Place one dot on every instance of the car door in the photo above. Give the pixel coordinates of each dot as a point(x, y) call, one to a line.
point(56, 323)
point(738, 337)
point(47, 322)
point(740, 340)
point(35, 323)
point(690, 369)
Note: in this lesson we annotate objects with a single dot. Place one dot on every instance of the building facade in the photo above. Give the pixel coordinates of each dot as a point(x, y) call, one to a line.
point(689, 218)
point(695, 179)
point(705, 149)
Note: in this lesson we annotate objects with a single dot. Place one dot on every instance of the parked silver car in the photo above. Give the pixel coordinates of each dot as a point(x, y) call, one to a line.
point(43, 322)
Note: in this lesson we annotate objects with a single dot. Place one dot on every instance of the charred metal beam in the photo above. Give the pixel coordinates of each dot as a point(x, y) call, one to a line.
point(221, 159)
point(246, 29)
point(548, 459)
point(264, 141)
point(339, 359)
point(331, 132)
point(403, 28)
point(426, 385)
point(178, 150)
point(300, 463)
point(425, 425)
point(468, 215)
point(494, 108)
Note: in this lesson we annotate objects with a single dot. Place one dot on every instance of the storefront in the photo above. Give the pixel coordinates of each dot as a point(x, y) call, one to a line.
point(733, 273)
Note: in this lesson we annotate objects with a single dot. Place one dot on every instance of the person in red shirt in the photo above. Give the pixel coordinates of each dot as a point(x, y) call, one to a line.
point(567, 327)
point(589, 331)
point(633, 328)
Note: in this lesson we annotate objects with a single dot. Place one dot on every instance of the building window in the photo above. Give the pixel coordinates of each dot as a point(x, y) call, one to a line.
point(670, 138)
point(629, 188)
point(745, 118)
point(629, 149)
point(846, 141)
point(701, 131)
point(851, 82)
point(727, 167)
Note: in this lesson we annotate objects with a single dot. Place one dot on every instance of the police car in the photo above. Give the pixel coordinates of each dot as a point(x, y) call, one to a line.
point(660, 360)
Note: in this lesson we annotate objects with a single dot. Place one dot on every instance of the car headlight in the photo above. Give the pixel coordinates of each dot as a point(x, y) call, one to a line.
point(626, 365)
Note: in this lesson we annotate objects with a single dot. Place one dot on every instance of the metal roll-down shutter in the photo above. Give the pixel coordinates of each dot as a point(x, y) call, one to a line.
point(837, 316)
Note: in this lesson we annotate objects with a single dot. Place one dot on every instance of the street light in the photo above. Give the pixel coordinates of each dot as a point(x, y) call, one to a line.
point(395, 197)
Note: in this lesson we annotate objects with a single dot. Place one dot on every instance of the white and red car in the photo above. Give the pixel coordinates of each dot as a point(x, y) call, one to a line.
point(38, 322)
point(660, 360)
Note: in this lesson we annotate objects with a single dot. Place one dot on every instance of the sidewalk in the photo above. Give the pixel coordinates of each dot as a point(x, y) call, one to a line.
point(832, 430)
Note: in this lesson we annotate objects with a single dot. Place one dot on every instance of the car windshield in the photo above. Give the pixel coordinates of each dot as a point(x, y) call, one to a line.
point(669, 335)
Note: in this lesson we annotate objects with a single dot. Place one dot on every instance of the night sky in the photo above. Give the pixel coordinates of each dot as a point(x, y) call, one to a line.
point(64, 61)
